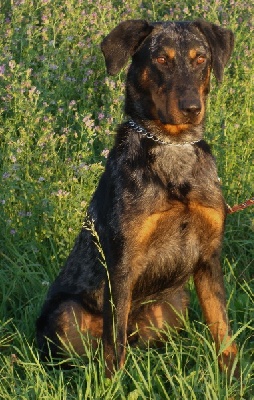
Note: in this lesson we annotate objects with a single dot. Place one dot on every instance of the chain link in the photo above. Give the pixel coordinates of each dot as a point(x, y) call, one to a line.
point(143, 132)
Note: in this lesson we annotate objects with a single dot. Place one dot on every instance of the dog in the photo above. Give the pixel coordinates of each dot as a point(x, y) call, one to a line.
point(158, 211)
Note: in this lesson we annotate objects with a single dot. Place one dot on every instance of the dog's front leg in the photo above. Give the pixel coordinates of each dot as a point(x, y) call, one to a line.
point(117, 299)
point(210, 289)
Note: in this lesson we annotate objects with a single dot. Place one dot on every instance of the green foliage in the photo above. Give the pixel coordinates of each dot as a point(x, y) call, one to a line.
point(58, 112)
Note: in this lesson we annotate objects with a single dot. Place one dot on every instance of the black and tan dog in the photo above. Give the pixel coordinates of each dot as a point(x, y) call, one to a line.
point(158, 210)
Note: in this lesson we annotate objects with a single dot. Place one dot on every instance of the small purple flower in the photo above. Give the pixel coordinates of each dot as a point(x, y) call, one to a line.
point(100, 116)
point(2, 69)
point(13, 232)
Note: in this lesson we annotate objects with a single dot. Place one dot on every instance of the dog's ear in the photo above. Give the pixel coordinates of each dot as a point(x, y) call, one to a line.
point(122, 42)
point(221, 42)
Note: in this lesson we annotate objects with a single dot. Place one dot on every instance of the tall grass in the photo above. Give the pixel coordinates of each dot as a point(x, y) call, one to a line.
point(58, 112)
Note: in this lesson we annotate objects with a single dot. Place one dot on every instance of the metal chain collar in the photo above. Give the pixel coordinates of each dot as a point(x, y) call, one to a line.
point(143, 132)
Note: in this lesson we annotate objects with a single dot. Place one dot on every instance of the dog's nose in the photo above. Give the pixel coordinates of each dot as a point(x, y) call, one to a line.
point(190, 106)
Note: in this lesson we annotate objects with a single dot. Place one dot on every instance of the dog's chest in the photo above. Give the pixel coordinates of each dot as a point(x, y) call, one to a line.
point(167, 246)
point(181, 221)
point(174, 165)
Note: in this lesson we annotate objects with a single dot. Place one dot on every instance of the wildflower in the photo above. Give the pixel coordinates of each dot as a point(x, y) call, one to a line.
point(12, 64)
point(63, 138)
point(70, 79)
point(83, 166)
point(32, 91)
point(2, 69)
point(72, 103)
point(66, 130)
point(13, 158)
point(100, 116)
point(13, 232)
point(14, 359)
point(88, 121)
point(61, 193)
point(105, 153)
point(53, 67)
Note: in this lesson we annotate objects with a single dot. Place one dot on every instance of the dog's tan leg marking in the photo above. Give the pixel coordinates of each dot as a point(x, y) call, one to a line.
point(210, 290)
point(75, 322)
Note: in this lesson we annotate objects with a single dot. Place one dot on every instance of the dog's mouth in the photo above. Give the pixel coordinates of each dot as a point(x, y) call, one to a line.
point(173, 129)
point(181, 119)
point(179, 112)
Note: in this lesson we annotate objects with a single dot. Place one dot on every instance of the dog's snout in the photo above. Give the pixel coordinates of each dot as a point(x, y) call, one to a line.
point(190, 106)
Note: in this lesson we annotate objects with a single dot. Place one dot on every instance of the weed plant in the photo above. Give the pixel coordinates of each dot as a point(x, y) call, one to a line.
point(58, 112)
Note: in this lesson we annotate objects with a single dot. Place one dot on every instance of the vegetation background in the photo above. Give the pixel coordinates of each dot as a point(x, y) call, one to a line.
point(58, 112)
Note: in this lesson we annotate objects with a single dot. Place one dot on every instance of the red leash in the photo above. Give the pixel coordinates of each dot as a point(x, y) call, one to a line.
point(241, 206)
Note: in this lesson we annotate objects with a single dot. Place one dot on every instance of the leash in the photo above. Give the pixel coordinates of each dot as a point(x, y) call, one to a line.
point(239, 207)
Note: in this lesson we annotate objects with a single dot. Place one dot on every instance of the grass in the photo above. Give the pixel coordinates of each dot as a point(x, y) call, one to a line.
point(58, 110)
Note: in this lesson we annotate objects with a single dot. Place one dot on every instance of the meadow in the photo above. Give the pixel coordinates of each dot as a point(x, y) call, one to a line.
point(58, 113)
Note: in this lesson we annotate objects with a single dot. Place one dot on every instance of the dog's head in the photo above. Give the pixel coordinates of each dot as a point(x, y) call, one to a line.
point(169, 77)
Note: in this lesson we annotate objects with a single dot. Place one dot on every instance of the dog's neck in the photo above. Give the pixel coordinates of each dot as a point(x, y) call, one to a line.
point(157, 138)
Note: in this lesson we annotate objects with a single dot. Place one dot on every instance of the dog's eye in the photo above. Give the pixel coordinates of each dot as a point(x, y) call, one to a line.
point(201, 59)
point(161, 60)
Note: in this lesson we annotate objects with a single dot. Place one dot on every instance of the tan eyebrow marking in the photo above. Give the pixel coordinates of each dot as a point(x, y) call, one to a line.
point(170, 52)
point(193, 53)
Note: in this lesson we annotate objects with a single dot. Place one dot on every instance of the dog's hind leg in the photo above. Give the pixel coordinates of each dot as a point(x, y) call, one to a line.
point(150, 321)
point(68, 327)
